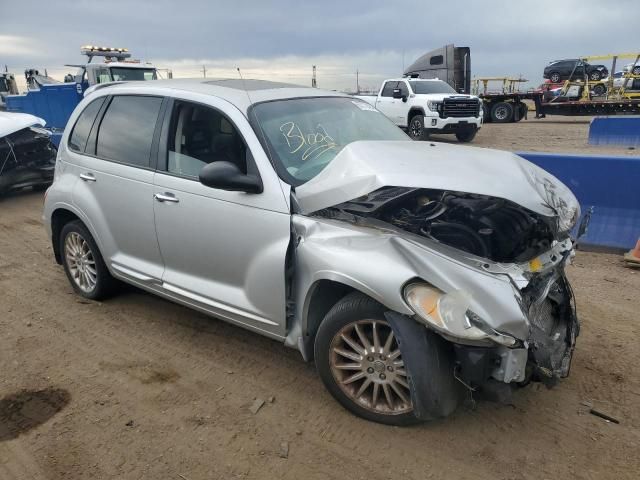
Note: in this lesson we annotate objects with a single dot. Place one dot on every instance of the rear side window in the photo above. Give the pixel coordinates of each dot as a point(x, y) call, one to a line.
point(126, 130)
point(82, 128)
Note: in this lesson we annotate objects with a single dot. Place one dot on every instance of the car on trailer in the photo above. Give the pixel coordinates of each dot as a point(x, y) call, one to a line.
point(572, 69)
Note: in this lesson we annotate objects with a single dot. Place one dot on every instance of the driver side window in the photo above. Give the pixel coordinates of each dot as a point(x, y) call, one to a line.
point(199, 135)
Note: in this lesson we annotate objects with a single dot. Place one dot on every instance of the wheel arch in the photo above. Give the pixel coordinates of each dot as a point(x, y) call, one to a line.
point(413, 111)
point(321, 296)
point(59, 218)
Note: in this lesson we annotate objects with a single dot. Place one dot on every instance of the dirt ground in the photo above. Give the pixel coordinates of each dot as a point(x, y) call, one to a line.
point(551, 134)
point(137, 387)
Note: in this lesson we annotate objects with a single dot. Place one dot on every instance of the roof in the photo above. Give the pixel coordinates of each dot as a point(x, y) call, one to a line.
point(240, 93)
point(118, 65)
point(12, 122)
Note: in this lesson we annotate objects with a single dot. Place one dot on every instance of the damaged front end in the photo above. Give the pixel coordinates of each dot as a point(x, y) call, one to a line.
point(27, 156)
point(470, 243)
point(502, 240)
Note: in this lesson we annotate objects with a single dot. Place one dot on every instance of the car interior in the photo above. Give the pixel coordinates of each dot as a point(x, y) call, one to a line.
point(200, 135)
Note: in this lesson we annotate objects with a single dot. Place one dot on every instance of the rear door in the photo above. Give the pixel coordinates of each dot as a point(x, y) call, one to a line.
point(224, 252)
point(116, 187)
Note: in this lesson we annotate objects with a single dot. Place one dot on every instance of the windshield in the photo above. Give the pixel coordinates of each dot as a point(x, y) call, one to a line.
point(305, 134)
point(120, 74)
point(431, 86)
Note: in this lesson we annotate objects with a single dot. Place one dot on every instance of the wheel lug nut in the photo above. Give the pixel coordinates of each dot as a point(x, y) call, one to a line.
point(370, 358)
point(369, 370)
point(382, 376)
point(390, 368)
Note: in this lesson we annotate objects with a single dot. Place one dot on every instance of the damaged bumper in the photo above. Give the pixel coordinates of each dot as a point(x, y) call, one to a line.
point(545, 355)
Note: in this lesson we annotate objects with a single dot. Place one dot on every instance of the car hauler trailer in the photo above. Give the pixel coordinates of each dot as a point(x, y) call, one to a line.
point(449, 63)
point(502, 104)
point(54, 102)
point(600, 97)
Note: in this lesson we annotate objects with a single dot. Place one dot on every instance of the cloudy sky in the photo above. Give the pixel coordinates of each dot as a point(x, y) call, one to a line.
point(282, 39)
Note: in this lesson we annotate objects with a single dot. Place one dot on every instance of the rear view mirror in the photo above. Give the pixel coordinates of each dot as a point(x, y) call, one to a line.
point(227, 176)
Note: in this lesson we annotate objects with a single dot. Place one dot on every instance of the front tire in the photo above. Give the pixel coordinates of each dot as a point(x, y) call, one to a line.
point(555, 77)
point(467, 134)
point(83, 263)
point(416, 128)
point(360, 362)
point(595, 76)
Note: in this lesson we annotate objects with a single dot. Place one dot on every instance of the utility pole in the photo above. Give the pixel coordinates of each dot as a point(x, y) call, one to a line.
point(314, 83)
point(204, 71)
point(357, 82)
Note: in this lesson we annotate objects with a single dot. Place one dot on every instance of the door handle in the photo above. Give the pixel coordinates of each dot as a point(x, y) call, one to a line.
point(166, 197)
point(88, 177)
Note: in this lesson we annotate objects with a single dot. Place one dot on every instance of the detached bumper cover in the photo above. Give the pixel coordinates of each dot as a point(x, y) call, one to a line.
point(554, 325)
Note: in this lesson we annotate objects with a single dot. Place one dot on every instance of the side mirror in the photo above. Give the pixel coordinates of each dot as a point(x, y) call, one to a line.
point(227, 176)
point(397, 93)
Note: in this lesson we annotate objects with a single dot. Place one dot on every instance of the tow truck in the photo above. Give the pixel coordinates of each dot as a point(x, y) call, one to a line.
point(7, 87)
point(54, 101)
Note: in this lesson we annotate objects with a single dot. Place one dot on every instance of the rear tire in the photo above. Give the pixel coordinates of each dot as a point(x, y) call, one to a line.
point(83, 263)
point(555, 77)
point(502, 112)
point(467, 134)
point(416, 128)
point(636, 70)
point(522, 111)
point(599, 89)
point(380, 393)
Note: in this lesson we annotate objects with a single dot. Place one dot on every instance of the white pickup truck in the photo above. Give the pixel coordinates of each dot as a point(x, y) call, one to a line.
point(425, 106)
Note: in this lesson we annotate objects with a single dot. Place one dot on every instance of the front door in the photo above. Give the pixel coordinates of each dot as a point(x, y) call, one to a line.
point(224, 252)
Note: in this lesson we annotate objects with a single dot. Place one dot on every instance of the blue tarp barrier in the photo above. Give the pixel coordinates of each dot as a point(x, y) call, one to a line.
point(609, 184)
point(615, 130)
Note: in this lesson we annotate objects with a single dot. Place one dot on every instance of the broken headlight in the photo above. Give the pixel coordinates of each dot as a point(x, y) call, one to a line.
point(449, 313)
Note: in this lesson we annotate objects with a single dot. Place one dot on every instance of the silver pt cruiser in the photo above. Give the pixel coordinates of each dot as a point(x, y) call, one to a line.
point(413, 273)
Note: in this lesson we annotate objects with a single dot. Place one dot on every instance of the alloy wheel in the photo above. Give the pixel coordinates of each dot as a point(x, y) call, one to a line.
point(366, 362)
point(416, 128)
point(80, 262)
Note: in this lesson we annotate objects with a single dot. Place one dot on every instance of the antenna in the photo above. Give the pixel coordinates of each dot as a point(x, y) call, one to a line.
point(244, 85)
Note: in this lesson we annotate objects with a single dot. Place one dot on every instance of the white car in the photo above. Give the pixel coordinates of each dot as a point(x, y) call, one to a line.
point(424, 106)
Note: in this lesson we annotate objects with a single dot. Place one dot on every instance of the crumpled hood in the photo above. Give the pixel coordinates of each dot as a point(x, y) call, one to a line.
point(365, 166)
point(12, 122)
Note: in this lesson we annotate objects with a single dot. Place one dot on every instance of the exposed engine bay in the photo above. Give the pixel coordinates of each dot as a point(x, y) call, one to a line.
point(485, 226)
